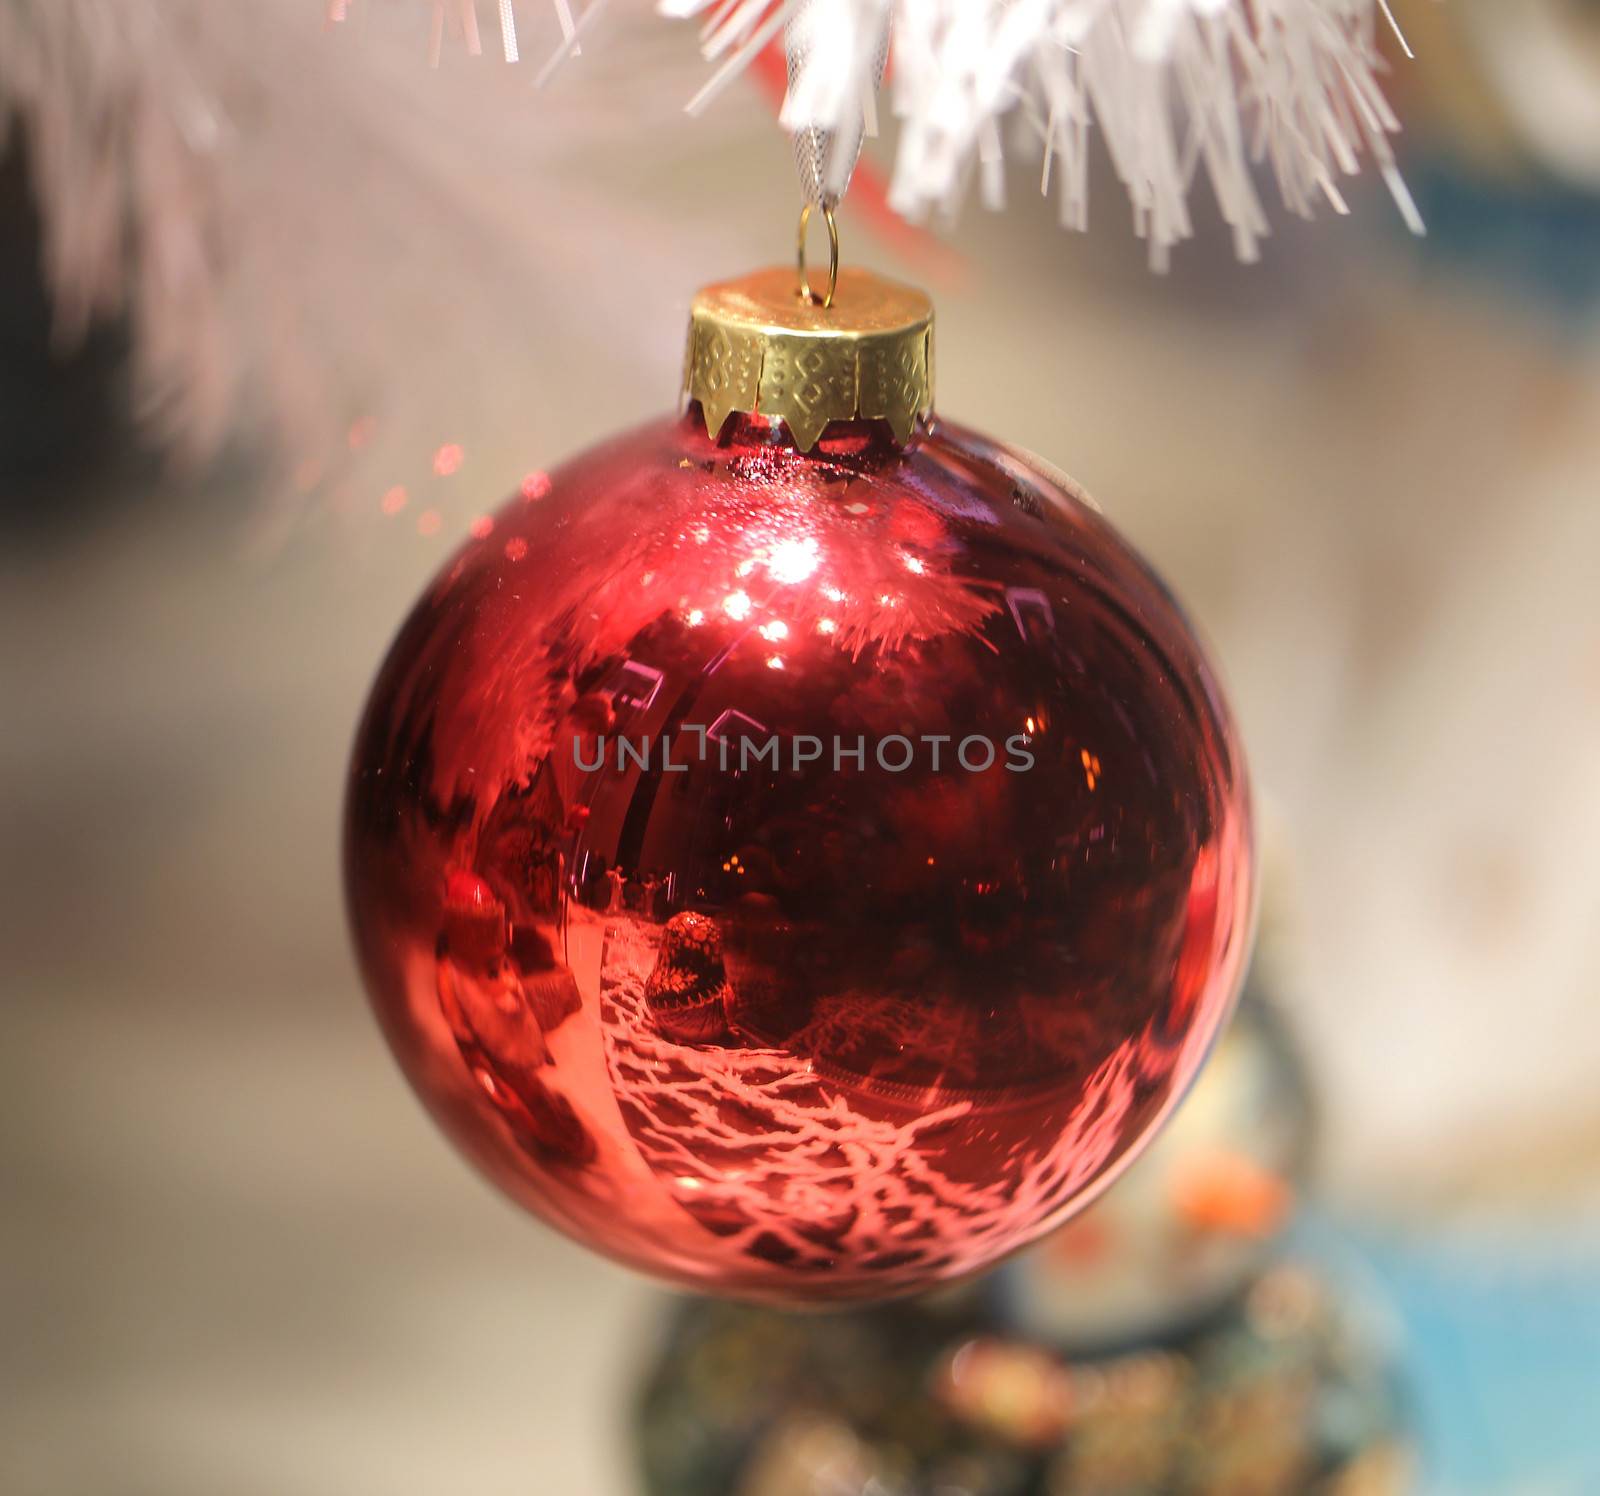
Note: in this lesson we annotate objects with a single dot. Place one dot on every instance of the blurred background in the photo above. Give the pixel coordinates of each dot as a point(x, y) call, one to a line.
point(237, 1258)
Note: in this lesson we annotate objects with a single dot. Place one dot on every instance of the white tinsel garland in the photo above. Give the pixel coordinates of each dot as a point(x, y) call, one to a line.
point(220, 178)
point(124, 149)
point(147, 212)
point(1173, 88)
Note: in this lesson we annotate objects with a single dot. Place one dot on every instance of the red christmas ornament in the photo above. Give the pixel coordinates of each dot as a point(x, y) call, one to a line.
point(804, 866)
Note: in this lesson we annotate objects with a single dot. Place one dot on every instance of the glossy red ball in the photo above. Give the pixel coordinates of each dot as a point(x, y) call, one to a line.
point(802, 876)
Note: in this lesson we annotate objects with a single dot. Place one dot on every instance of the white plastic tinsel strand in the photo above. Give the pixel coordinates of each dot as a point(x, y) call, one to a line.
point(124, 150)
point(151, 209)
point(1233, 88)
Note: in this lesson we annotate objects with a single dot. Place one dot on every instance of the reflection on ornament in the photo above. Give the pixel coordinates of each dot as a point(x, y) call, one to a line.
point(1194, 1218)
point(687, 992)
point(868, 831)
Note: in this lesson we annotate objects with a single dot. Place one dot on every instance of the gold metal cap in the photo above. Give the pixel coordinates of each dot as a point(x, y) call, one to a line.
point(760, 345)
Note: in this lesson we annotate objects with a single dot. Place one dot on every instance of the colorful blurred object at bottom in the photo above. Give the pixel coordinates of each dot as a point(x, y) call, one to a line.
point(1161, 1345)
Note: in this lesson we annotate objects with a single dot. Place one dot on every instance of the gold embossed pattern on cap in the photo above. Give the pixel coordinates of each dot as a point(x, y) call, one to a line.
point(756, 345)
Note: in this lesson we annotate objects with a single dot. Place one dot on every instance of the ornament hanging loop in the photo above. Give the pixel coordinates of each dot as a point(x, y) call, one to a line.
point(806, 293)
